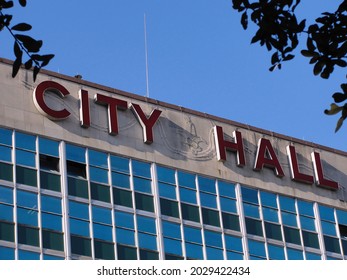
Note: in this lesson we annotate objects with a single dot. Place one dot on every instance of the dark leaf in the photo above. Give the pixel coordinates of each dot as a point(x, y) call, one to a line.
point(318, 67)
point(339, 97)
point(46, 59)
point(244, 20)
point(341, 63)
point(342, 50)
point(274, 58)
point(339, 124)
point(288, 57)
point(334, 109)
point(344, 88)
point(23, 3)
point(21, 27)
point(36, 71)
point(310, 45)
point(6, 4)
point(28, 64)
point(16, 66)
point(17, 50)
point(307, 53)
point(29, 43)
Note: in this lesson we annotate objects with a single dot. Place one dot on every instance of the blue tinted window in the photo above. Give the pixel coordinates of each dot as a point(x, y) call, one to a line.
point(101, 215)
point(326, 213)
point(146, 224)
point(166, 175)
point(256, 248)
point(251, 210)
point(228, 205)
point(186, 180)
point(207, 185)
point(51, 221)
point(270, 214)
point(142, 169)
point(194, 251)
point(142, 185)
point(226, 189)
point(75, 153)
point(233, 243)
point(25, 158)
point(287, 204)
point(26, 255)
point(294, 254)
point(5, 153)
point(120, 164)
point(166, 190)
point(27, 199)
point(188, 195)
point(328, 228)
point(171, 230)
point(312, 256)
point(98, 175)
point(234, 256)
point(25, 141)
point(289, 219)
point(147, 241)
point(214, 253)
point(268, 199)
point(173, 246)
point(192, 234)
point(276, 252)
point(125, 220)
point(79, 227)
point(125, 236)
point(6, 253)
point(6, 195)
point(305, 208)
point(27, 216)
point(249, 195)
point(102, 232)
point(341, 216)
point(97, 158)
point(307, 223)
point(6, 212)
point(6, 136)
point(50, 204)
point(78, 210)
point(213, 238)
point(208, 200)
point(121, 180)
point(48, 147)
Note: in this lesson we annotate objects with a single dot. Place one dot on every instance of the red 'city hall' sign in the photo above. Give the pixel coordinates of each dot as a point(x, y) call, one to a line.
point(265, 156)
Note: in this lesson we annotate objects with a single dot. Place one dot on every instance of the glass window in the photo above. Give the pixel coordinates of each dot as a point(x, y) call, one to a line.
point(276, 252)
point(78, 187)
point(249, 195)
point(76, 169)
point(294, 254)
point(226, 189)
point(190, 212)
point(213, 238)
point(49, 163)
point(169, 207)
point(144, 202)
point(147, 241)
point(124, 219)
point(50, 204)
point(125, 236)
point(310, 239)
point(256, 248)
point(254, 227)
point(120, 164)
point(208, 200)
point(148, 255)
point(142, 185)
point(97, 158)
point(332, 244)
point(207, 185)
point(210, 217)
point(101, 215)
point(326, 213)
point(6, 212)
point(273, 231)
point(142, 169)
point(48, 147)
point(126, 253)
point(305, 208)
point(173, 246)
point(78, 210)
point(146, 224)
point(104, 250)
point(6, 253)
point(292, 235)
point(328, 228)
point(100, 192)
point(214, 253)
point(25, 158)
point(5, 153)
point(6, 195)
point(270, 214)
point(25, 141)
point(51, 221)
point(52, 240)
point(27, 255)
point(28, 235)
point(186, 180)
point(287, 204)
point(188, 195)
point(27, 199)
point(49, 181)
point(6, 172)
point(81, 246)
point(268, 199)
point(341, 216)
point(289, 219)
point(98, 175)
point(307, 223)
point(251, 210)
point(171, 230)
point(6, 136)
point(121, 180)
point(228, 205)
point(166, 174)
point(192, 234)
point(312, 256)
point(7, 231)
point(194, 251)
point(231, 221)
point(233, 243)
point(102, 232)
point(27, 216)
point(79, 227)
point(75, 153)
point(122, 197)
point(166, 190)
point(26, 176)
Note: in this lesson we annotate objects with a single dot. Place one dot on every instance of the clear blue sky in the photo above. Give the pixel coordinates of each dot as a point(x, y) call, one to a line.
point(199, 58)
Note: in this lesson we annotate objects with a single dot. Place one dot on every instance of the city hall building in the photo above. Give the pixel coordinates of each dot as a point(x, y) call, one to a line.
point(91, 172)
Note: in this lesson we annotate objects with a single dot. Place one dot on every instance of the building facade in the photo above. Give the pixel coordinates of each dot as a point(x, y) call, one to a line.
point(90, 172)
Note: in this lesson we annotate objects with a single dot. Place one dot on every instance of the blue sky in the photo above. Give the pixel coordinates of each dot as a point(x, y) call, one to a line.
point(199, 58)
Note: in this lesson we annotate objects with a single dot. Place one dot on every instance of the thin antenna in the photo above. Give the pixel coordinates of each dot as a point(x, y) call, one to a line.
point(146, 54)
